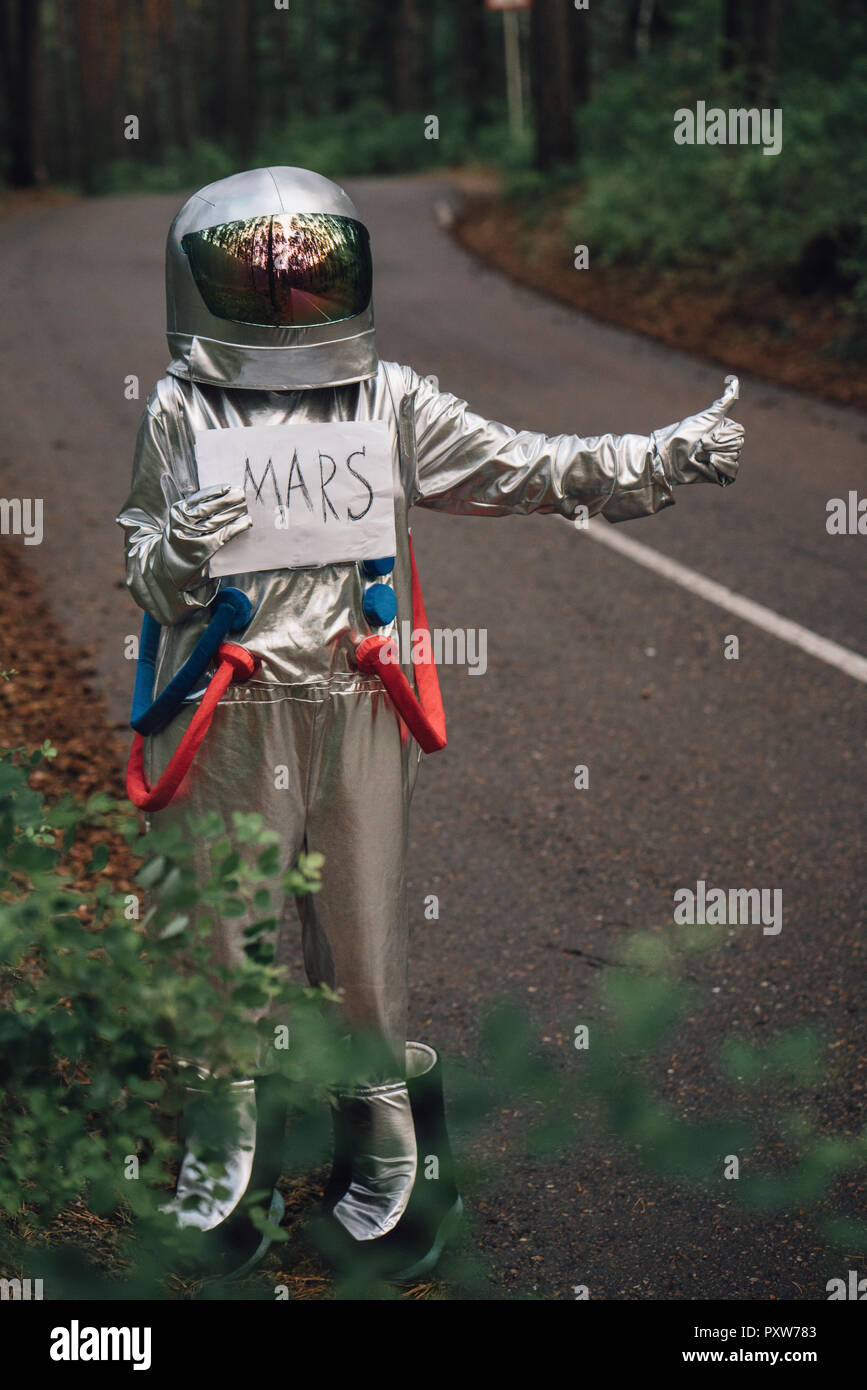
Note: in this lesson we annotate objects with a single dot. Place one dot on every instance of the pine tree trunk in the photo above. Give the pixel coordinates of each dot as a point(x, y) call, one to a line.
point(239, 109)
point(751, 45)
point(551, 70)
point(471, 58)
point(405, 93)
point(580, 29)
point(19, 39)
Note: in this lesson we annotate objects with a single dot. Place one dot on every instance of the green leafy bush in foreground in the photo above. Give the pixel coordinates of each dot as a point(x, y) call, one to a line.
point(95, 994)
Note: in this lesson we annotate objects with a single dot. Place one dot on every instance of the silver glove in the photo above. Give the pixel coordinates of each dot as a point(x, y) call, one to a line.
point(703, 448)
point(198, 526)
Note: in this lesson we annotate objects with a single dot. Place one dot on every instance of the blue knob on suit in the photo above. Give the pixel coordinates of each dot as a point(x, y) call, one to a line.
point(380, 605)
point(374, 569)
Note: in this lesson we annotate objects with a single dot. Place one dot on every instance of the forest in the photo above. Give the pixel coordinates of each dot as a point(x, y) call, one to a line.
point(110, 96)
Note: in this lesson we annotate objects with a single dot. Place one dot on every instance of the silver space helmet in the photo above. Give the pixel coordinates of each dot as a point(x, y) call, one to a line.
point(269, 284)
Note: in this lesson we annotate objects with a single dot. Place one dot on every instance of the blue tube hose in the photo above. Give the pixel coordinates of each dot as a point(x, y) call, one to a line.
point(232, 612)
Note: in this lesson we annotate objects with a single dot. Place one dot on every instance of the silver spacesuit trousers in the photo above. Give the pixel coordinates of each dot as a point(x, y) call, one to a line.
point(331, 769)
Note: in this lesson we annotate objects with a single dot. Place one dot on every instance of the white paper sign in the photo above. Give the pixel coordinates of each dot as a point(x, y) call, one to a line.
point(318, 494)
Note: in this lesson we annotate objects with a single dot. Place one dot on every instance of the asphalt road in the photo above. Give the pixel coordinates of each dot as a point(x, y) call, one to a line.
point(744, 773)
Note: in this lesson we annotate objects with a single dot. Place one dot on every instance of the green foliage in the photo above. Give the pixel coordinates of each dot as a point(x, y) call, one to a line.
point(368, 139)
point(94, 997)
point(648, 202)
point(204, 162)
point(732, 203)
point(91, 998)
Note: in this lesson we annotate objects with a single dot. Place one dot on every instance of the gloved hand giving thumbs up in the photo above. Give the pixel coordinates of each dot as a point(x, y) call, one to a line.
point(703, 448)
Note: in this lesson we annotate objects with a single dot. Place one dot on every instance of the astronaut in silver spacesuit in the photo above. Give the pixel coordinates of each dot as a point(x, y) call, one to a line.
point(270, 323)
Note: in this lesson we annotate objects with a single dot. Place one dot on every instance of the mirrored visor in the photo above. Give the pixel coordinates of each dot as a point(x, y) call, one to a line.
point(290, 269)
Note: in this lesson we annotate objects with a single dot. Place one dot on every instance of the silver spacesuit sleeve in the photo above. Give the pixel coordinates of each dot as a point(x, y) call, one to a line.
point(469, 465)
point(157, 577)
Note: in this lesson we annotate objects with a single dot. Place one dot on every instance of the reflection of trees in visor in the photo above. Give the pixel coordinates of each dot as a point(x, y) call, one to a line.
point(290, 269)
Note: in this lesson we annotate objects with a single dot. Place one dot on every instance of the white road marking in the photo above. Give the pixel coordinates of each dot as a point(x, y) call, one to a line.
point(852, 663)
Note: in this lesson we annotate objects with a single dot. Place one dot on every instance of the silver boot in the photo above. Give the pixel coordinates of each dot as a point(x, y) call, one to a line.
point(392, 1203)
point(376, 1158)
point(200, 1199)
point(242, 1131)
